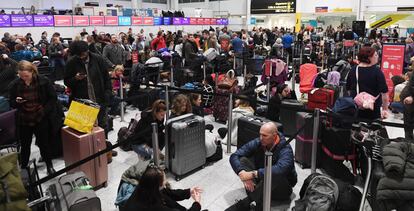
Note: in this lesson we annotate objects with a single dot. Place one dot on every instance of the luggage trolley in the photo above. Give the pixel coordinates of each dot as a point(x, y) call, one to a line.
point(368, 136)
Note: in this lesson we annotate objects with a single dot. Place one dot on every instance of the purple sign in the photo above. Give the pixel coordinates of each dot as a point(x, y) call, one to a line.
point(186, 21)
point(167, 21)
point(21, 20)
point(219, 21)
point(177, 21)
point(225, 21)
point(43, 20)
point(5, 21)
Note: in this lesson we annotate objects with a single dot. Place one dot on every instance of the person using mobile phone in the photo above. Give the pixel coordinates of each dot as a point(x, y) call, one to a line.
point(34, 98)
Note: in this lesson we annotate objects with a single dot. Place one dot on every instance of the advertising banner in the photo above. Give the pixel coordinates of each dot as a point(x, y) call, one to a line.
point(148, 21)
point(167, 21)
point(158, 21)
point(43, 20)
point(22, 20)
point(321, 9)
point(5, 21)
point(97, 20)
point(80, 20)
point(193, 21)
point(225, 21)
point(124, 20)
point(200, 21)
point(177, 21)
point(210, 21)
point(63, 20)
point(111, 20)
point(136, 21)
point(392, 62)
point(185, 21)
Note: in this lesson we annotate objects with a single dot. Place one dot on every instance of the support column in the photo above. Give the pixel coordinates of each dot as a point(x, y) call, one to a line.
point(360, 13)
point(174, 5)
point(39, 5)
point(248, 13)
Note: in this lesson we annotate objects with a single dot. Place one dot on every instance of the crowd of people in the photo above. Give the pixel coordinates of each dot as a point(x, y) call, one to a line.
point(90, 60)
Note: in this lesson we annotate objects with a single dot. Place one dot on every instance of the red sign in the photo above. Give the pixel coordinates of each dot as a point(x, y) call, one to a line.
point(207, 21)
point(200, 21)
point(213, 21)
point(111, 20)
point(193, 21)
point(149, 21)
point(136, 20)
point(321, 9)
point(80, 20)
point(97, 20)
point(63, 20)
point(392, 62)
point(135, 57)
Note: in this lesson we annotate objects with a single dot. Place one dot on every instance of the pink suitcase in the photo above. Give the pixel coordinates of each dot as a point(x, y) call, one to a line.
point(78, 146)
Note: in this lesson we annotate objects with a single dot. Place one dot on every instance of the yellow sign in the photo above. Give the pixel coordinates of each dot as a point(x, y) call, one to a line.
point(298, 22)
point(388, 20)
point(342, 10)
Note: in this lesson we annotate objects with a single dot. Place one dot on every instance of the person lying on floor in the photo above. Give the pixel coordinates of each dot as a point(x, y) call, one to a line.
point(152, 194)
point(248, 163)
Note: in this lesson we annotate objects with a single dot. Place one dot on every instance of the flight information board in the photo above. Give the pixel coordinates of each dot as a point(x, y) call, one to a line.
point(273, 6)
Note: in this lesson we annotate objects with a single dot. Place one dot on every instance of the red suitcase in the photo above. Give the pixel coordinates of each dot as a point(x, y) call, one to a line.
point(321, 98)
point(78, 146)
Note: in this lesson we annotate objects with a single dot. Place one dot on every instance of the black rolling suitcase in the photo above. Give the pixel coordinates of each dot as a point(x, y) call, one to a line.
point(249, 129)
point(71, 193)
point(186, 144)
point(303, 143)
point(144, 98)
point(287, 117)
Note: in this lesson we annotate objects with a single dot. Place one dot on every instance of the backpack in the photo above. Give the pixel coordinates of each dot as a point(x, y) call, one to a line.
point(344, 106)
point(333, 78)
point(349, 197)
point(318, 193)
point(12, 191)
point(124, 133)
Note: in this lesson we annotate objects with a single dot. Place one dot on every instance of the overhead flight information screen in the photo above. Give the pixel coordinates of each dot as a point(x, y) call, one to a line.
point(273, 6)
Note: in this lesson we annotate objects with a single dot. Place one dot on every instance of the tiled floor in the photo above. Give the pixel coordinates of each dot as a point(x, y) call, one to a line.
point(221, 186)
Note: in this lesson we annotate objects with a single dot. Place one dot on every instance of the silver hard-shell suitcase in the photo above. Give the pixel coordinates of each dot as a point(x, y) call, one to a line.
point(186, 144)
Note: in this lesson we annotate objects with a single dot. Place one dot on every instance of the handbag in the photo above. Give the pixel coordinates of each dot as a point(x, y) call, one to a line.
point(82, 115)
point(229, 81)
point(12, 191)
point(364, 100)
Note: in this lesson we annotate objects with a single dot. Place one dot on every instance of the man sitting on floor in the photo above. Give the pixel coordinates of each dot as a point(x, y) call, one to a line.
point(248, 163)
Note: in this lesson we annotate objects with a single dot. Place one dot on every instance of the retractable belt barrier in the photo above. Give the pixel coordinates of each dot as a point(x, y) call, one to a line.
point(327, 113)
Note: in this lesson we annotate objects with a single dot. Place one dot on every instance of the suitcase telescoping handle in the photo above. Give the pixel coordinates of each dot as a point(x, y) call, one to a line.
point(192, 123)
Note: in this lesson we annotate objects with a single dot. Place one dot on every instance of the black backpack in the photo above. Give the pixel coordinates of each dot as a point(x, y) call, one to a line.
point(349, 197)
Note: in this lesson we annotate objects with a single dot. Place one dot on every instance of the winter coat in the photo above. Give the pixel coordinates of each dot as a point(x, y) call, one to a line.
point(398, 185)
point(143, 131)
point(115, 54)
point(98, 73)
point(55, 51)
point(158, 43)
point(282, 160)
point(47, 95)
point(25, 55)
point(190, 51)
point(7, 75)
point(169, 198)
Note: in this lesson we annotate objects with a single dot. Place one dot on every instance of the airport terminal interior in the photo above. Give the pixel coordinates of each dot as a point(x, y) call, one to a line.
point(218, 105)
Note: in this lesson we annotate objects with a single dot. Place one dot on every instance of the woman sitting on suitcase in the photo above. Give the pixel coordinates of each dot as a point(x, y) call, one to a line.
point(141, 139)
point(152, 194)
point(282, 92)
point(181, 105)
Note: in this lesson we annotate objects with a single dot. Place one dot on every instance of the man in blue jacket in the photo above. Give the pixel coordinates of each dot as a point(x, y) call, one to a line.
point(248, 163)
